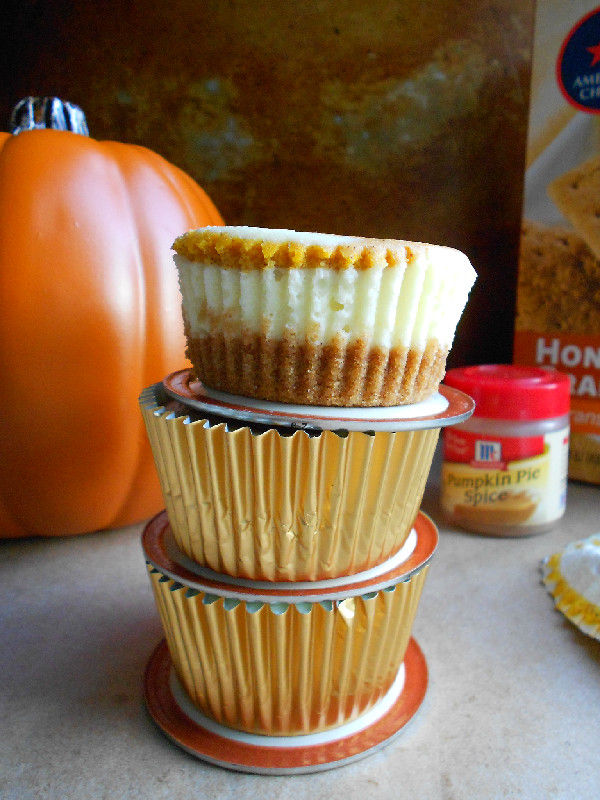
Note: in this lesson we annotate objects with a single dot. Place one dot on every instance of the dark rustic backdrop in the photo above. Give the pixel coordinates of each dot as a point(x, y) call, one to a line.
point(381, 118)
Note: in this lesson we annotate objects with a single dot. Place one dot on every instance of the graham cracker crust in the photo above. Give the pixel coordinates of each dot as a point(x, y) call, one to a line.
point(326, 375)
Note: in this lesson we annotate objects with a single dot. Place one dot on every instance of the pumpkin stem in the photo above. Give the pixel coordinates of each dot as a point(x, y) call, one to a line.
point(38, 113)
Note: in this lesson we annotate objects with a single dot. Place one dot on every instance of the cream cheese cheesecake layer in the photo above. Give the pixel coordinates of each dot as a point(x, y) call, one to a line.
point(318, 318)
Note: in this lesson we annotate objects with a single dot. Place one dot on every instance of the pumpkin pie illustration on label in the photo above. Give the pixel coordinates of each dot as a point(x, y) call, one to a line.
point(510, 508)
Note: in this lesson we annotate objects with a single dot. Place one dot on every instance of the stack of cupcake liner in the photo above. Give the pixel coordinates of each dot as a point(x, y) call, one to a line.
point(287, 570)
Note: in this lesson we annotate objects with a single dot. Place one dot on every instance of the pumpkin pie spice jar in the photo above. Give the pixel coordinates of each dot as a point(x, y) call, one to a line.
point(504, 470)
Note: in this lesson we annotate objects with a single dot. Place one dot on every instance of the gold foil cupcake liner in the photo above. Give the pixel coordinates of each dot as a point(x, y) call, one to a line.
point(280, 504)
point(572, 577)
point(200, 736)
point(286, 660)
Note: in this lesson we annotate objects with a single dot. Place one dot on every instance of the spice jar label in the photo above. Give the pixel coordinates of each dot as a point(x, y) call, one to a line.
point(496, 484)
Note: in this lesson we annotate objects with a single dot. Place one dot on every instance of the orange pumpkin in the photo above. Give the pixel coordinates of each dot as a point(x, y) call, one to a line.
point(90, 314)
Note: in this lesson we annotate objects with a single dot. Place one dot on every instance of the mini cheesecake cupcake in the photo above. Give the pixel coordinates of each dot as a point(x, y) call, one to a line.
point(318, 319)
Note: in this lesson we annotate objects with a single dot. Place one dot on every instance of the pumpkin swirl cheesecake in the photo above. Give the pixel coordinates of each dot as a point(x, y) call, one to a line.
point(319, 319)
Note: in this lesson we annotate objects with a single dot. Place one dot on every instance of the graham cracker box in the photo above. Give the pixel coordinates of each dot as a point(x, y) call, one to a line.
point(558, 294)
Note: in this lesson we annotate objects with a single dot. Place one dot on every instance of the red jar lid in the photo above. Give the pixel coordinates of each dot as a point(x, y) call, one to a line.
point(512, 392)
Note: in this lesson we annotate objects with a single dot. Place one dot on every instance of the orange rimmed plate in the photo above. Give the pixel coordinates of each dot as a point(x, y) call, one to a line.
point(175, 715)
point(446, 407)
point(162, 553)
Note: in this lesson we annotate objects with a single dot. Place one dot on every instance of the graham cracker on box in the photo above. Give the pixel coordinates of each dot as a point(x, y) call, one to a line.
point(577, 195)
point(558, 281)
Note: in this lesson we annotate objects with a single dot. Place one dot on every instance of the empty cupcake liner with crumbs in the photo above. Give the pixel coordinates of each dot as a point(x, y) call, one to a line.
point(572, 576)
